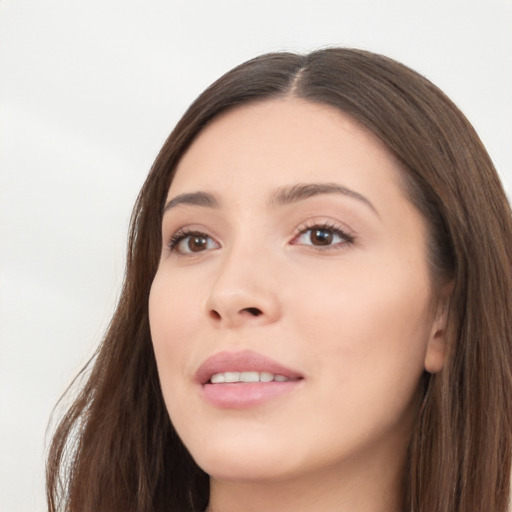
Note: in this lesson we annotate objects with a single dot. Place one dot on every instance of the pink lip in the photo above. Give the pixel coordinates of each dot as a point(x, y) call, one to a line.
point(243, 361)
point(242, 395)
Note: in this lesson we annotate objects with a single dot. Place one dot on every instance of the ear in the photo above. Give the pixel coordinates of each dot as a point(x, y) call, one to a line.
point(435, 354)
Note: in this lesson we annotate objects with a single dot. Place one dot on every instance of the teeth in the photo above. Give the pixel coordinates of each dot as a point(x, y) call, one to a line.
point(266, 377)
point(232, 376)
point(249, 376)
point(219, 378)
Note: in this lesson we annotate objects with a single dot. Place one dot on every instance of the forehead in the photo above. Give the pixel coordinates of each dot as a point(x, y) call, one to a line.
point(281, 141)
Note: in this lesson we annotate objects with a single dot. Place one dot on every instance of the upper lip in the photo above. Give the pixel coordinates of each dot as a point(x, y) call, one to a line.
point(242, 361)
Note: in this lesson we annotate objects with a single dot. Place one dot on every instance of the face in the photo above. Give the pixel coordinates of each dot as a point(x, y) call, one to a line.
point(291, 313)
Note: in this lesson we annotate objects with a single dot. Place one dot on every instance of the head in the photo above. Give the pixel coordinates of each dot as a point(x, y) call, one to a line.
point(437, 191)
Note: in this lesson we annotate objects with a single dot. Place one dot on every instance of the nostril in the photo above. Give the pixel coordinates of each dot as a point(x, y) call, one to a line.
point(214, 314)
point(253, 311)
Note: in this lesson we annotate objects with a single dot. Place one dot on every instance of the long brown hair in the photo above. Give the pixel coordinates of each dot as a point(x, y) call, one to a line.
point(116, 450)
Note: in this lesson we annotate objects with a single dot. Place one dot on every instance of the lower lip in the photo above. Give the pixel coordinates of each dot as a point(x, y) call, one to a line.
point(241, 395)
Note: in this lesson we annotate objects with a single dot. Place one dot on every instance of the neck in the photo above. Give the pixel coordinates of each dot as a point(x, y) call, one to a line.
point(332, 490)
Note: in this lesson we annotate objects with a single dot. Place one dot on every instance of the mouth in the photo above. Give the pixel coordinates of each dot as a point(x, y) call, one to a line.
point(231, 377)
point(244, 379)
point(244, 366)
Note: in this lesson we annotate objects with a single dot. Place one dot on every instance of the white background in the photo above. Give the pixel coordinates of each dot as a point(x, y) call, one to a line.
point(88, 92)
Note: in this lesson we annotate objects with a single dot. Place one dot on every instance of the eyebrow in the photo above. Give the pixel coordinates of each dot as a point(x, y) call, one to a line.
point(292, 194)
point(281, 197)
point(195, 198)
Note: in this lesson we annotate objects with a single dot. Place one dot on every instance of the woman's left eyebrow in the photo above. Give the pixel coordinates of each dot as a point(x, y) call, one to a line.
point(291, 194)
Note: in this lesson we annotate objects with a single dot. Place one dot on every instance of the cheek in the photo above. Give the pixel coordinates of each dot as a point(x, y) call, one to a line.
point(366, 347)
point(173, 315)
point(172, 318)
point(368, 329)
point(175, 303)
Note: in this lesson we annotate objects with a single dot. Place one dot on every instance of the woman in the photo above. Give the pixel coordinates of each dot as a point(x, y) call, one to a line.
point(316, 312)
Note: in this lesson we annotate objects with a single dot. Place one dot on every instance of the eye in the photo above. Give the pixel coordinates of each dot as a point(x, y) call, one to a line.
point(191, 242)
point(323, 236)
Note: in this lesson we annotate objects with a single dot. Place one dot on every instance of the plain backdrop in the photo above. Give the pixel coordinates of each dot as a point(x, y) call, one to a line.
point(89, 90)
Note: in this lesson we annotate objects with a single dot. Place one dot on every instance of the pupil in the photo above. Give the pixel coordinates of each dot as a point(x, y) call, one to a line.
point(197, 243)
point(321, 237)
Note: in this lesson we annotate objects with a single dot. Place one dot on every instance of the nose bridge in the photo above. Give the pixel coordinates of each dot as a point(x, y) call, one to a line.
point(244, 291)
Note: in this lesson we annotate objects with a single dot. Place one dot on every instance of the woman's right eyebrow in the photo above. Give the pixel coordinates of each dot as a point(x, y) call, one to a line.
point(193, 198)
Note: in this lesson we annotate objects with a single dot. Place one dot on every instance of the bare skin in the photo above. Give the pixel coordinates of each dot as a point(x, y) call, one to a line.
point(288, 234)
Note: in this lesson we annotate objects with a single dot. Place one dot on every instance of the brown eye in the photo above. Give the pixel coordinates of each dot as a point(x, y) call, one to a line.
point(321, 236)
point(196, 243)
point(191, 243)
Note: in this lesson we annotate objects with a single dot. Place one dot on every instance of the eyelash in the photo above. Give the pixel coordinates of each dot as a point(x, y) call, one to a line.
point(336, 230)
point(347, 238)
point(182, 234)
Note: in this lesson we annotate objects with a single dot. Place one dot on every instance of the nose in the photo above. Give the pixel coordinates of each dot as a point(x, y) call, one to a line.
point(244, 292)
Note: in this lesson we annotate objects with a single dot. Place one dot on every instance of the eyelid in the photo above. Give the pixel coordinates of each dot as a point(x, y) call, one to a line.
point(345, 233)
point(183, 233)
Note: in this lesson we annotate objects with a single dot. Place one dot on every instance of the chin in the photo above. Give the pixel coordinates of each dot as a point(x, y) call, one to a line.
point(244, 462)
point(238, 471)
